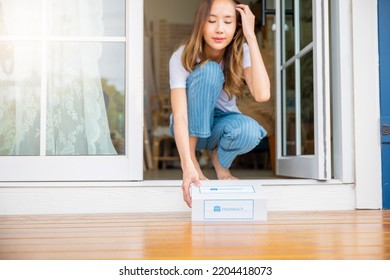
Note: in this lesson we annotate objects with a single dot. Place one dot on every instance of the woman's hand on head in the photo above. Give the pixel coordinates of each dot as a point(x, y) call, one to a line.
point(190, 176)
point(247, 20)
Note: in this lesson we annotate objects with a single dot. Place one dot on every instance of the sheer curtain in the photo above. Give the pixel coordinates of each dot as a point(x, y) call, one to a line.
point(76, 120)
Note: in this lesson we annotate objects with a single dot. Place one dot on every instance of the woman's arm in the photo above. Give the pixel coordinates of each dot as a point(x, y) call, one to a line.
point(256, 75)
point(180, 122)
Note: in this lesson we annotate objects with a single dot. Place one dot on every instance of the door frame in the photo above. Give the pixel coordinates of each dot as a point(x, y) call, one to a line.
point(355, 114)
point(366, 126)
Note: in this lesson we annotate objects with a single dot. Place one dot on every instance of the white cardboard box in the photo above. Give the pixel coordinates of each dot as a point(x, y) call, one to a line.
point(228, 202)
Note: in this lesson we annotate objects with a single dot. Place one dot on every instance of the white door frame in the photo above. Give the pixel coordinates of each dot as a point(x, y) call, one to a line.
point(368, 170)
point(355, 124)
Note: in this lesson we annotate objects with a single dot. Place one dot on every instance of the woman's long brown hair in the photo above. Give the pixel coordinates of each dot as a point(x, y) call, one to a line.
point(233, 56)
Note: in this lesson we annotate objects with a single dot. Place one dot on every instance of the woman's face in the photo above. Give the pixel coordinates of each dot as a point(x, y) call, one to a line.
point(220, 27)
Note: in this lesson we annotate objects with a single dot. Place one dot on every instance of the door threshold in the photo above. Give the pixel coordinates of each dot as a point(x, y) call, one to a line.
point(163, 183)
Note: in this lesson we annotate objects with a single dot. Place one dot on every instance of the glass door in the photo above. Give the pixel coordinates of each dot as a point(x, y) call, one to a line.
point(302, 99)
point(71, 90)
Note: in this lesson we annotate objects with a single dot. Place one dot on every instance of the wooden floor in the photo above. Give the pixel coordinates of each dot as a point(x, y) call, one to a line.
point(286, 235)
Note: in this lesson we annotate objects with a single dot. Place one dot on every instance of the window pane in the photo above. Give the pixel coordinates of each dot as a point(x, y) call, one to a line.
point(87, 18)
point(270, 4)
point(289, 145)
point(20, 89)
point(114, 17)
point(113, 74)
point(85, 82)
point(289, 30)
point(307, 104)
point(306, 23)
point(20, 17)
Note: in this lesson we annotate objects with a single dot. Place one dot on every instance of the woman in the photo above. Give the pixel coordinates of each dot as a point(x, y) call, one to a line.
point(207, 73)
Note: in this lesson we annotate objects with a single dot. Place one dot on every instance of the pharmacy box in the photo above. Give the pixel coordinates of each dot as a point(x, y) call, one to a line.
point(219, 201)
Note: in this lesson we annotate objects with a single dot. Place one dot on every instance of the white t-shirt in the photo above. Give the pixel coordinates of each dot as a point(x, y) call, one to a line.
point(178, 76)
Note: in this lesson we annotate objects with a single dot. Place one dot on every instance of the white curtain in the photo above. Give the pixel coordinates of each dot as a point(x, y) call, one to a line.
point(76, 114)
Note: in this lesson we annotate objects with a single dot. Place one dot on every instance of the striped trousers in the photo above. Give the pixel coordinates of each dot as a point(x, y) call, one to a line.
point(232, 132)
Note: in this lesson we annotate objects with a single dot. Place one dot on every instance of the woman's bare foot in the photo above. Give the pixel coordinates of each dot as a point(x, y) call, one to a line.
point(222, 173)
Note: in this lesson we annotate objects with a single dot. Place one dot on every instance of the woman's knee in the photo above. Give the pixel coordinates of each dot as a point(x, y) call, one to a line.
point(206, 77)
point(240, 133)
point(210, 68)
point(252, 132)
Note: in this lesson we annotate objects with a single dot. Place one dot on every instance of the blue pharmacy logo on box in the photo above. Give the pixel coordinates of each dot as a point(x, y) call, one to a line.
point(217, 208)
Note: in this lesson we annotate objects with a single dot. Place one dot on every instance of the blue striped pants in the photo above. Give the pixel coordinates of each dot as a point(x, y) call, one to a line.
point(233, 133)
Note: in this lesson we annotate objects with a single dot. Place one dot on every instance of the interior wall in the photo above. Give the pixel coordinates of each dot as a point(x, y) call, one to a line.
point(156, 11)
point(168, 9)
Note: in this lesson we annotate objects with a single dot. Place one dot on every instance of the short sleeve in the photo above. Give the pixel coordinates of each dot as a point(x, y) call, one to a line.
point(247, 56)
point(177, 73)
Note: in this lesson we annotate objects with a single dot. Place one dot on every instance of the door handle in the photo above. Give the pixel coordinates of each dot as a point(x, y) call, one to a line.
point(385, 130)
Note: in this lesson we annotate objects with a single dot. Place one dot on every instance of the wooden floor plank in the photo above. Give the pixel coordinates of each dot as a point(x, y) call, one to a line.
point(286, 235)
